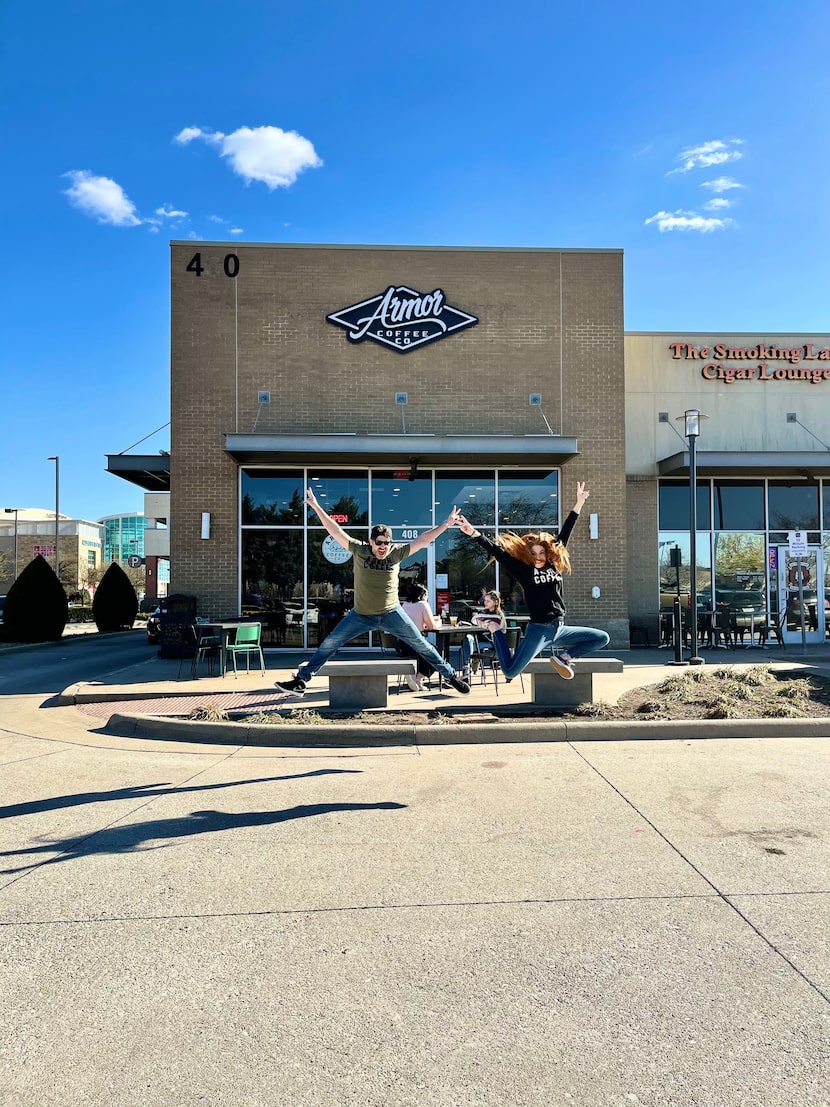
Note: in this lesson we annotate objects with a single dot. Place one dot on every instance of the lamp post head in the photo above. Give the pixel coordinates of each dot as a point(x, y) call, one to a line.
point(691, 420)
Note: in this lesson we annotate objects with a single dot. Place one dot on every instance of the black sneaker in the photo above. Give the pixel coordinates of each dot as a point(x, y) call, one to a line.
point(294, 687)
point(458, 684)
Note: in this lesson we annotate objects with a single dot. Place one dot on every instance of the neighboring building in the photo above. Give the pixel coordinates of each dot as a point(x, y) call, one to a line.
point(763, 469)
point(125, 537)
point(80, 546)
point(397, 381)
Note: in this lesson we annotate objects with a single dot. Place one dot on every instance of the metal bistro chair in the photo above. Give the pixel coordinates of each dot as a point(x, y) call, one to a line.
point(206, 646)
point(248, 640)
point(488, 658)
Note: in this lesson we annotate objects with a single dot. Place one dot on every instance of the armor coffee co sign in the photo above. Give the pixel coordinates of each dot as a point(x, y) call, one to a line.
point(402, 318)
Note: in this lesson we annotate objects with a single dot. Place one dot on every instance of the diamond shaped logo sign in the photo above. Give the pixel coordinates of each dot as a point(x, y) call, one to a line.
point(402, 318)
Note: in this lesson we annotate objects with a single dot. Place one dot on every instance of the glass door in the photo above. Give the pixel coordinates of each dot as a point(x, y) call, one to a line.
point(809, 571)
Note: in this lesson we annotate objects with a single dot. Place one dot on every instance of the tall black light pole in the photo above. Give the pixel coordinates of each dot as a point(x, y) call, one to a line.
point(57, 462)
point(9, 511)
point(691, 419)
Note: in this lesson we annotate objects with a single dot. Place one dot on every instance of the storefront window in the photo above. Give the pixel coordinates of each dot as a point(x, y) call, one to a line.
point(272, 584)
point(464, 562)
point(272, 496)
point(330, 586)
point(738, 505)
point(793, 505)
point(342, 494)
point(740, 576)
point(674, 505)
point(528, 499)
point(473, 492)
point(401, 502)
point(669, 575)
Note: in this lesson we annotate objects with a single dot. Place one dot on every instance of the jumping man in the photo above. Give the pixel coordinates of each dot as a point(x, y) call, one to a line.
point(376, 607)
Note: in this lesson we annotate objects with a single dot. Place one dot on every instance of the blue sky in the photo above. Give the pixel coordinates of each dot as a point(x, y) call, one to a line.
point(693, 136)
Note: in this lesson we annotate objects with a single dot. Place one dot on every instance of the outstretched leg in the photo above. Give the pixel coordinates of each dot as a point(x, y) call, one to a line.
point(579, 641)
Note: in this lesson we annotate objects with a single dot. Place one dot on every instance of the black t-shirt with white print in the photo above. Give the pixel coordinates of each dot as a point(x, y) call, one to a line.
point(542, 587)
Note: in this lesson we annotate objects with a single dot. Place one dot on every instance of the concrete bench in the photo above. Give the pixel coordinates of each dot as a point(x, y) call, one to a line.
point(359, 684)
point(548, 689)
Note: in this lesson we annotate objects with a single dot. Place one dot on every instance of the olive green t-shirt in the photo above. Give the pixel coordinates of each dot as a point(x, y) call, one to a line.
point(375, 578)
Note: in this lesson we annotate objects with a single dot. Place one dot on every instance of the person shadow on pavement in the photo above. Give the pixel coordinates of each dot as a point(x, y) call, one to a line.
point(146, 791)
point(134, 837)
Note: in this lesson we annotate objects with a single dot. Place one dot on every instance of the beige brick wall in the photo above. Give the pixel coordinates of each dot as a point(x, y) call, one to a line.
point(550, 322)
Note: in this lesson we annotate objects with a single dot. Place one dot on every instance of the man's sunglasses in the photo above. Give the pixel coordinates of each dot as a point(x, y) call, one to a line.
point(382, 541)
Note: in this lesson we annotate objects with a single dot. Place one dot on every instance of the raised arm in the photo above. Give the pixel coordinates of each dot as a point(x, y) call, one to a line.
point(429, 536)
point(570, 522)
point(334, 529)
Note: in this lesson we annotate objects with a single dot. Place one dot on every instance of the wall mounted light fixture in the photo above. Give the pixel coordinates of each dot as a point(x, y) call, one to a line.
point(402, 399)
point(536, 401)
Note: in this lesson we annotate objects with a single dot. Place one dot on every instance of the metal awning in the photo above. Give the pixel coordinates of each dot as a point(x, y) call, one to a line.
point(149, 471)
point(397, 450)
point(733, 463)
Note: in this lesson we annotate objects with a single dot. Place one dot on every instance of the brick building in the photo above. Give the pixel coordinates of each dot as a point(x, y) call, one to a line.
point(289, 369)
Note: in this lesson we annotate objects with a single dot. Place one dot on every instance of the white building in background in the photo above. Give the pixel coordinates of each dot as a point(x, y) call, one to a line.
point(29, 532)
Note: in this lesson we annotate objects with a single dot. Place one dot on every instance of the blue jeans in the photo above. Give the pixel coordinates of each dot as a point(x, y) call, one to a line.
point(576, 641)
point(395, 622)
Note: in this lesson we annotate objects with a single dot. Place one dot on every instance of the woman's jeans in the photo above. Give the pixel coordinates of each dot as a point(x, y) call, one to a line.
point(352, 625)
point(575, 641)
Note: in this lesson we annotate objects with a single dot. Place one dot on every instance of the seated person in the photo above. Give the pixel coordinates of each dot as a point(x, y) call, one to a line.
point(416, 606)
point(493, 618)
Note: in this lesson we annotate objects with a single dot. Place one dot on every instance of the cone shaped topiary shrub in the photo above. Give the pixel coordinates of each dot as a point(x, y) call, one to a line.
point(36, 607)
point(115, 603)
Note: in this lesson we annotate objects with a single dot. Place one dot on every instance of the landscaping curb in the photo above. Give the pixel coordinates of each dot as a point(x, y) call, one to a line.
point(341, 735)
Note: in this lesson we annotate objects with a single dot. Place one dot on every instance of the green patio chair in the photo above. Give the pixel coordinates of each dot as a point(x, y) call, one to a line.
point(248, 640)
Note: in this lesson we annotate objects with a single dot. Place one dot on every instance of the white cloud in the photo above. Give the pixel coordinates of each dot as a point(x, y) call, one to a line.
point(687, 221)
point(722, 184)
point(153, 230)
point(101, 198)
point(236, 230)
point(266, 154)
point(197, 237)
point(708, 154)
point(216, 219)
point(170, 213)
point(717, 204)
point(189, 133)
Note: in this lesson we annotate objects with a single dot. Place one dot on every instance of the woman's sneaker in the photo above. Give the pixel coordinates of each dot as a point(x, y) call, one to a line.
point(293, 687)
point(563, 663)
point(412, 684)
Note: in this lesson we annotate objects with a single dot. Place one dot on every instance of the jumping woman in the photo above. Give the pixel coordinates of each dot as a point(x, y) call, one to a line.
point(538, 561)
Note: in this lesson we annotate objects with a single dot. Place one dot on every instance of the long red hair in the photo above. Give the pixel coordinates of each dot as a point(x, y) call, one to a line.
point(519, 546)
